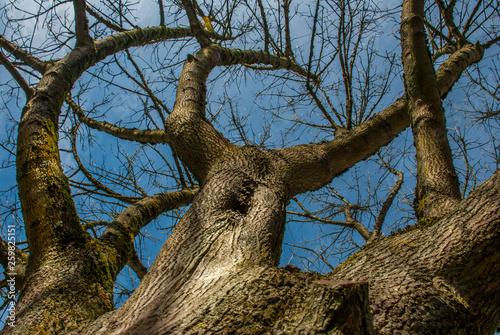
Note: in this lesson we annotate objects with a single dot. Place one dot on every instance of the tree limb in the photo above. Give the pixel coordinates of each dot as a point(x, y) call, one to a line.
point(95, 182)
point(28, 90)
point(437, 184)
point(195, 24)
point(132, 134)
point(349, 223)
point(81, 24)
point(101, 19)
point(19, 53)
point(135, 264)
point(196, 142)
point(120, 234)
point(447, 13)
point(315, 165)
point(387, 204)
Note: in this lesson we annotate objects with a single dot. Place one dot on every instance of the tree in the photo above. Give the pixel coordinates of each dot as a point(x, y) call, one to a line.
point(217, 270)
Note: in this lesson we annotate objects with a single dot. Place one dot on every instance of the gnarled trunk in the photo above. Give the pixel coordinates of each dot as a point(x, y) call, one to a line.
point(216, 273)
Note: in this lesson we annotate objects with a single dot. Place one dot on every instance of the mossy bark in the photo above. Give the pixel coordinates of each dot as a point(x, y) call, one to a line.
point(69, 277)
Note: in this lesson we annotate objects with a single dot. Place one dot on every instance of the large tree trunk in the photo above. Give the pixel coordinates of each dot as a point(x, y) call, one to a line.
point(216, 273)
point(235, 223)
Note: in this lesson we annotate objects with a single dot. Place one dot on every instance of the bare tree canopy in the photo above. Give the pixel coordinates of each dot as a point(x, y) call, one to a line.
point(250, 167)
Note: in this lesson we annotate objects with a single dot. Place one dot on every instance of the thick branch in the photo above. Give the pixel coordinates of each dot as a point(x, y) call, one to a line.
point(135, 264)
point(192, 137)
point(38, 162)
point(121, 232)
point(153, 136)
point(19, 53)
point(447, 13)
point(81, 24)
point(437, 184)
point(315, 165)
point(195, 24)
point(137, 37)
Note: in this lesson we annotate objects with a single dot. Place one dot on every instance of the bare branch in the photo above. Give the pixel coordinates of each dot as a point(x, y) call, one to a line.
point(447, 13)
point(135, 264)
point(19, 53)
point(101, 19)
point(14, 261)
point(264, 26)
point(387, 203)
point(162, 12)
point(28, 90)
point(314, 165)
point(313, 251)
point(81, 24)
point(471, 17)
point(288, 40)
point(121, 232)
point(349, 223)
point(95, 182)
point(195, 24)
point(137, 135)
point(322, 108)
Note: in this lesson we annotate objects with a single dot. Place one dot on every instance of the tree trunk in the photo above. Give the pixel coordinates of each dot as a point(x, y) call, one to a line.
point(216, 274)
point(217, 271)
point(438, 279)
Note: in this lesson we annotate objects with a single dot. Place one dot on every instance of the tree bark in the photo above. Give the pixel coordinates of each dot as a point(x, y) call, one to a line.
point(439, 278)
point(229, 241)
point(70, 276)
point(437, 182)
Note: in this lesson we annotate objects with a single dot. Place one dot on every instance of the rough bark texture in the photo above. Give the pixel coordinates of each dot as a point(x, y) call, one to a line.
point(437, 184)
point(424, 280)
point(233, 231)
point(439, 279)
point(64, 261)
